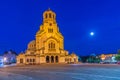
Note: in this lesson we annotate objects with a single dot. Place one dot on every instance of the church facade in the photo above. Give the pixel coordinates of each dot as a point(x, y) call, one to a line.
point(48, 46)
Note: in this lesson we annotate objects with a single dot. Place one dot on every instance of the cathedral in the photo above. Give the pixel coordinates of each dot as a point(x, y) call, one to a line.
point(48, 46)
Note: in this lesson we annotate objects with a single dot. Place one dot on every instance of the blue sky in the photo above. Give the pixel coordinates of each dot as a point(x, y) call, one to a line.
point(20, 20)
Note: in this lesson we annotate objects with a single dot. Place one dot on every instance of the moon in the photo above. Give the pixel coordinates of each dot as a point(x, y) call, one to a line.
point(91, 33)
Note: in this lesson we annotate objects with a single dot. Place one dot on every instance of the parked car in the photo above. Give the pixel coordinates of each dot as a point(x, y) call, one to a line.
point(118, 62)
point(104, 62)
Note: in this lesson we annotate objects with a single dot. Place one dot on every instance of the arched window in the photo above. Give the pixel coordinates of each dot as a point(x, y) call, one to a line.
point(45, 15)
point(54, 45)
point(30, 60)
point(27, 60)
point(21, 60)
point(50, 30)
point(33, 60)
point(50, 15)
point(51, 45)
point(53, 16)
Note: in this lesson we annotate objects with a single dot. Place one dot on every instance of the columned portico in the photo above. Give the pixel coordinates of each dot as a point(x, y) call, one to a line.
point(52, 59)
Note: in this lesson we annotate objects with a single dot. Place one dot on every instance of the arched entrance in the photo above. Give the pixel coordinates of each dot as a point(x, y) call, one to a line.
point(56, 59)
point(47, 59)
point(52, 59)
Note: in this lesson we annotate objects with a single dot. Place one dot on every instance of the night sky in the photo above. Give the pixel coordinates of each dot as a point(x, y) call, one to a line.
point(20, 20)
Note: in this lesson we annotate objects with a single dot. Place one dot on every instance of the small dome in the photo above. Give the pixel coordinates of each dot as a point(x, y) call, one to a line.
point(32, 44)
point(73, 54)
point(48, 11)
point(22, 53)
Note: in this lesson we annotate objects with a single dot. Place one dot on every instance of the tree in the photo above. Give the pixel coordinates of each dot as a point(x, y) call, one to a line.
point(79, 58)
point(93, 58)
point(84, 58)
point(118, 52)
point(117, 57)
point(90, 60)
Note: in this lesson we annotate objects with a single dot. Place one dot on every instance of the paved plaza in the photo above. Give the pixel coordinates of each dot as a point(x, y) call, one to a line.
point(61, 72)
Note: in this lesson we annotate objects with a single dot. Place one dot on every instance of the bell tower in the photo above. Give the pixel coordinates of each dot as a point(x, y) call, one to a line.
point(49, 36)
point(49, 16)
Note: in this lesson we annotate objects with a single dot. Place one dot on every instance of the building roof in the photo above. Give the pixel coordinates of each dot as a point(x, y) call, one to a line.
point(10, 51)
point(32, 42)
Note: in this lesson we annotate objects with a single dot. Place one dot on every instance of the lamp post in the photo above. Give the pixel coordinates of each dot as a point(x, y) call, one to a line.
point(4, 60)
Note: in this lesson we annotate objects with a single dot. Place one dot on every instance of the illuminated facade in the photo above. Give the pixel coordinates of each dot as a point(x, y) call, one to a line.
point(106, 56)
point(48, 46)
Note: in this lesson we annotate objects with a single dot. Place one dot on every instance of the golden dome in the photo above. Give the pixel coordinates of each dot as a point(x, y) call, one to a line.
point(73, 54)
point(49, 15)
point(32, 44)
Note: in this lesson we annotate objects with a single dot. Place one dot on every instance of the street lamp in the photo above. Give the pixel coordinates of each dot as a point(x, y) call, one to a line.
point(4, 59)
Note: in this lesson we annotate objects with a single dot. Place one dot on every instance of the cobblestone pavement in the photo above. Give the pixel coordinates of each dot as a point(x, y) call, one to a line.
point(61, 72)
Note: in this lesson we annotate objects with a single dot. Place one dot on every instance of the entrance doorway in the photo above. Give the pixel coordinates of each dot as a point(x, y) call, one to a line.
point(56, 59)
point(47, 59)
point(52, 59)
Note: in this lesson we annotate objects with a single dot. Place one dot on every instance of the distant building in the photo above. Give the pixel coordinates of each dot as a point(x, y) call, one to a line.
point(108, 57)
point(48, 46)
point(1, 59)
point(9, 57)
